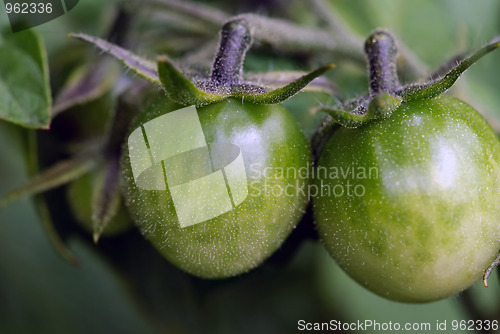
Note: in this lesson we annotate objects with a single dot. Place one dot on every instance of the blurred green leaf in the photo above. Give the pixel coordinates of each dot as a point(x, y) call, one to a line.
point(55, 176)
point(86, 84)
point(36, 283)
point(41, 206)
point(24, 80)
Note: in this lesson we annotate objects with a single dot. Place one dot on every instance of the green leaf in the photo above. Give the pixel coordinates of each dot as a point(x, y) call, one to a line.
point(139, 65)
point(25, 97)
point(41, 205)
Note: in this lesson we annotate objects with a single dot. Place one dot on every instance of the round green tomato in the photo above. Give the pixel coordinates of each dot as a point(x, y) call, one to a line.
point(256, 224)
point(79, 194)
point(409, 205)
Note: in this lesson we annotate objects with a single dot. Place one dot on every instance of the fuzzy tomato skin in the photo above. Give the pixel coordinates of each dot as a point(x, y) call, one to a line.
point(239, 240)
point(424, 222)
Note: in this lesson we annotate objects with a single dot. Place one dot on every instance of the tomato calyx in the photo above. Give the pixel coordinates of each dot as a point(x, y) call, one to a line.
point(98, 160)
point(386, 94)
point(225, 79)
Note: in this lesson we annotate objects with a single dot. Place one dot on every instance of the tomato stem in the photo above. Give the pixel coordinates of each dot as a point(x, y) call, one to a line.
point(235, 40)
point(381, 52)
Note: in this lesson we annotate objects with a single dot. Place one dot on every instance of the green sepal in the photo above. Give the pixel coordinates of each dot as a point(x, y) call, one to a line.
point(276, 79)
point(439, 86)
point(25, 95)
point(379, 107)
point(143, 67)
point(181, 89)
point(281, 94)
point(106, 198)
point(41, 206)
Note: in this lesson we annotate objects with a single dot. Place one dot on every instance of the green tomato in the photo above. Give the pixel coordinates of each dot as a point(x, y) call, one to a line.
point(79, 194)
point(240, 239)
point(409, 206)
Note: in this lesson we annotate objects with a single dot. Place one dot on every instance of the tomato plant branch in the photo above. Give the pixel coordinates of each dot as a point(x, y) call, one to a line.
point(287, 37)
point(201, 13)
point(334, 23)
point(407, 61)
point(281, 35)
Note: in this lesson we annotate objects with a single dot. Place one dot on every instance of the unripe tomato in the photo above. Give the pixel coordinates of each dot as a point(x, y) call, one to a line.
point(410, 206)
point(240, 239)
